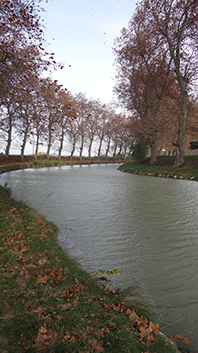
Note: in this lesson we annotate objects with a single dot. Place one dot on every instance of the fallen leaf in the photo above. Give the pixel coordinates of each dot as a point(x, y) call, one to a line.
point(179, 336)
point(72, 339)
point(155, 328)
point(145, 331)
point(43, 329)
point(42, 279)
point(186, 341)
point(67, 336)
point(66, 306)
point(133, 316)
point(96, 347)
point(42, 261)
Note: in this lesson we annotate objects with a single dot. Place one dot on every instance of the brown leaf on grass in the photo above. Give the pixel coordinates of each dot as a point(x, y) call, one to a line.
point(7, 316)
point(95, 322)
point(101, 332)
point(42, 279)
point(96, 347)
point(70, 292)
point(75, 303)
point(72, 339)
point(133, 316)
point(66, 306)
point(128, 312)
point(41, 261)
point(42, 222)
point(41, 337)
point(42, 329)
point(8, 240)
point(21, 248)
point(67, 336)
point(155, 328)
point(145, 331)
point(38, 311)
point(23, 258)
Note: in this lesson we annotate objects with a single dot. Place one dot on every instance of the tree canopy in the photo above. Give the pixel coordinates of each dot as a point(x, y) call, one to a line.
point(157, 53)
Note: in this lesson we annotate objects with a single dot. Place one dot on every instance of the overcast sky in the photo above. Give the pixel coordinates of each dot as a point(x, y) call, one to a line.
point(81, 34)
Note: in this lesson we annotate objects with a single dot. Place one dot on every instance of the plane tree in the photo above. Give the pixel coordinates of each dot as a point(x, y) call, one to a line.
point(66, 114)
point(101, 127)
point(162, 37)
point(175, 24)
point(142, 68)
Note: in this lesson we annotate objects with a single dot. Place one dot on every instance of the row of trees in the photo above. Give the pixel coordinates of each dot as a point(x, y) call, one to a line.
point(157, 67)
point(50, 116)
point(34, 108)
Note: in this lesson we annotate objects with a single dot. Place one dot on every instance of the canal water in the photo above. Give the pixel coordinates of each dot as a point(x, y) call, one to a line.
point(146, 227)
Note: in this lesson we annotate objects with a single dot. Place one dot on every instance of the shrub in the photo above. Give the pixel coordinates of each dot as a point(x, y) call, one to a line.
point(140, 151)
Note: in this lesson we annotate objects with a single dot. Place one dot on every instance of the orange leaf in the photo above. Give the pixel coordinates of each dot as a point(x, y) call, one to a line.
point(179, 336)
point(67, 336)
point(186, 341)
point(97, 347)
point(42, 261)
point(72, 339)
point(128, 311)
point(155, 328)
point(43, 329)
point(133, 315)
point(42, 279)
point(75, 303)
point(144, 331)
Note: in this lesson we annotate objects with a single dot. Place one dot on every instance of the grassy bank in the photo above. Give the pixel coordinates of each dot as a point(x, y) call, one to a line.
point(16, 162)
point(49, 304)
point(164, 167)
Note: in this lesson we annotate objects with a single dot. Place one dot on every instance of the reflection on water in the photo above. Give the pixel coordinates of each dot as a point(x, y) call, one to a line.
point(146, 227)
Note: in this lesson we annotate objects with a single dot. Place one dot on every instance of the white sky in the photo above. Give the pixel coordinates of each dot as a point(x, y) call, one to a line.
point(81, 34)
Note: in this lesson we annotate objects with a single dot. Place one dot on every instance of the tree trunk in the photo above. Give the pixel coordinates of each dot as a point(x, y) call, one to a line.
point(81, 147)
point(49, 140)
point(73, 147)
point(9, 140)
point(114, 150)
point(24, 140)
point(153, 157)
point(61, 144)
point(100, 146)
point(182, 124)
point(108, 147)
point(37, 144)
point(90, 146)
point(125, 152)
point(120, 149)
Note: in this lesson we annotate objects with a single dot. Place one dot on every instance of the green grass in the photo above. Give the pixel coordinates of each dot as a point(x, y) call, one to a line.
point(164, 167)
point(49, 304)
point(16, 162)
